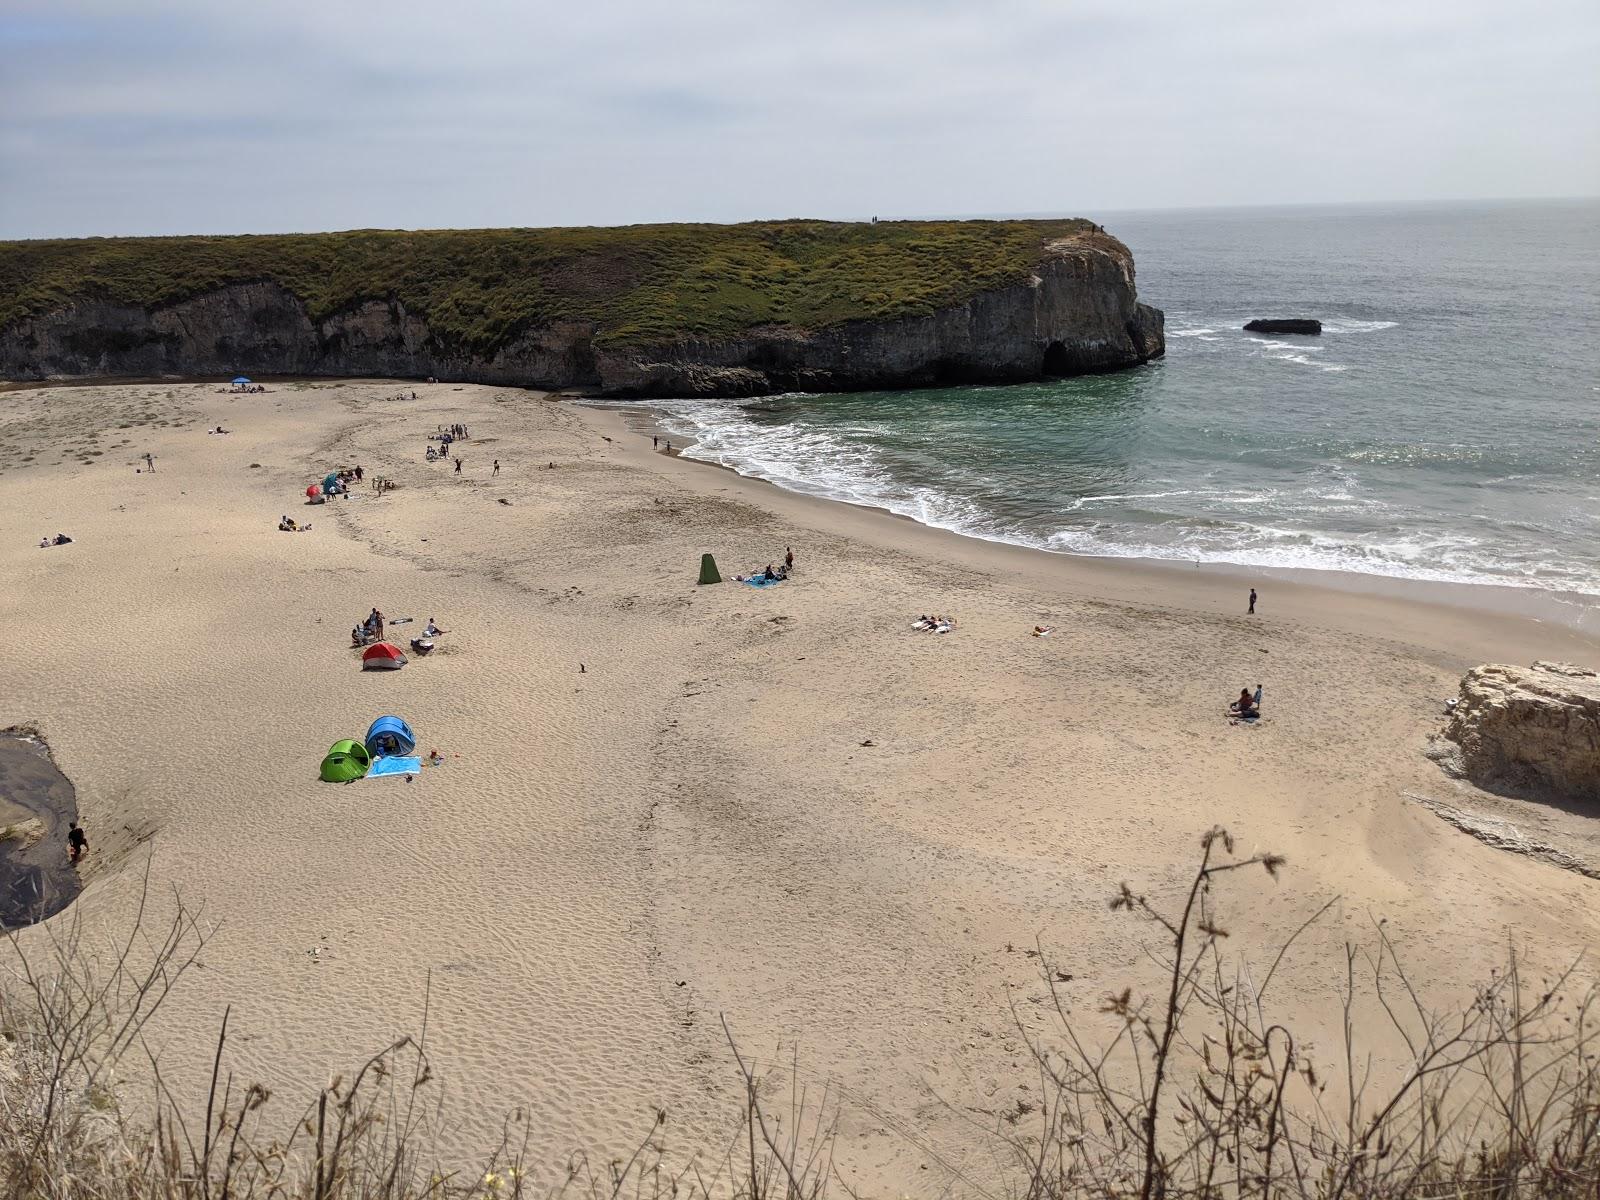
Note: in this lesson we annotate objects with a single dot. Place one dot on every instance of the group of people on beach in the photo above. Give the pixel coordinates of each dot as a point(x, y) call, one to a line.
point(370, 630)
point(287, 524)
point(241, 389)
point(373, 625)
point(1248, 706)
point(772, 574)
point(934, 623)
point(60, 539)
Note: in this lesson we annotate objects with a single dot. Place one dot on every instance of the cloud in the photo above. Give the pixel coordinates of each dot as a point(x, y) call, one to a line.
point(294, 114)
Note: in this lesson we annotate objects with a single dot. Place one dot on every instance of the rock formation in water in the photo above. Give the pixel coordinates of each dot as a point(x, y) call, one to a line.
point(1284, 325)
point(1064, 305)
point(1528, 730)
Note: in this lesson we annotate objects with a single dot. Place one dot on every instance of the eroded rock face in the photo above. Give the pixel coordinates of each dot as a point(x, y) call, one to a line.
point(1077, 315)
point(1528, 729)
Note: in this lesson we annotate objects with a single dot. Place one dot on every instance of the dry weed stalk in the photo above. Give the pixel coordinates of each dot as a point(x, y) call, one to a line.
point(1201, 1094)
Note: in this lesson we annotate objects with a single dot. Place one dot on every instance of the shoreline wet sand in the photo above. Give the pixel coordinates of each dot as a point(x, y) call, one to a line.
point(36, 879)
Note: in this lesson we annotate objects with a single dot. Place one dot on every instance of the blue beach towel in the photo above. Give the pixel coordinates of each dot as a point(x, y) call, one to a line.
point(396, 765)
point(758, 581)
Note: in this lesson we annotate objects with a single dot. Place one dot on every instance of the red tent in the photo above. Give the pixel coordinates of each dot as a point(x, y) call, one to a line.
point(382, 657)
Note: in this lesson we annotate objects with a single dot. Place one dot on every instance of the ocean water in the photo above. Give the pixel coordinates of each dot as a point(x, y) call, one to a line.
point(1445, 426)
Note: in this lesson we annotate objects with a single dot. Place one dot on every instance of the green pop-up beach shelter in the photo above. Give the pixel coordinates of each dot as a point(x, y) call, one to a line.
point(708, 570)
point(346, 760)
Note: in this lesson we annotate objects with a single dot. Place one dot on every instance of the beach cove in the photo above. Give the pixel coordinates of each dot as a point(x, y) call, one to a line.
point(664, 803)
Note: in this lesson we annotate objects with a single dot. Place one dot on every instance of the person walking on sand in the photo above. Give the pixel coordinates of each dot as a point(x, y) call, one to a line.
point(458, 466)
point(788, 558)
point(496, 470)
point(77, 843)
point(1252, 608)
point(655, 441)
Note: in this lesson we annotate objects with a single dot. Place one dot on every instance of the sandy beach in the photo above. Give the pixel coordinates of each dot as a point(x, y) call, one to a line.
point(663, 804)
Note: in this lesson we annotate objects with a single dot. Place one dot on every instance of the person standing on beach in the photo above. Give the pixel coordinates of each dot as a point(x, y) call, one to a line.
point(788, 557)
point(496, 470)
point(150, 462)
point(655, 442)
point(458, 466)
point(1252, 608)
point(77, 843)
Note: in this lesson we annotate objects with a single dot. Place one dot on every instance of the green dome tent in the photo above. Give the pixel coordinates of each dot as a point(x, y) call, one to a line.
point(345, 761)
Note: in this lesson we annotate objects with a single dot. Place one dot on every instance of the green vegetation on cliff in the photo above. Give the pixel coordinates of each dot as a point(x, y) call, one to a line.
point(639, 284)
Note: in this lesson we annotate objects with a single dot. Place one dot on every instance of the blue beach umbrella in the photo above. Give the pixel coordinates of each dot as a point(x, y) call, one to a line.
point(241, 379)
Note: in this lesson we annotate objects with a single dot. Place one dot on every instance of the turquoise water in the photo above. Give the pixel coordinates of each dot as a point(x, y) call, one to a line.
point(1445, 426)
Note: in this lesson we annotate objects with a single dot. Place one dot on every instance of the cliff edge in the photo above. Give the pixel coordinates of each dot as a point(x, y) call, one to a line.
point(639, 311)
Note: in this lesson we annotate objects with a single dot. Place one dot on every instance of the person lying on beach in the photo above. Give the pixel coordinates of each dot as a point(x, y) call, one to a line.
point(61, 539)
point(1043, 630)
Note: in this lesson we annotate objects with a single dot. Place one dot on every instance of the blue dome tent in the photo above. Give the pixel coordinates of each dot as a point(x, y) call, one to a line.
point(390, 736)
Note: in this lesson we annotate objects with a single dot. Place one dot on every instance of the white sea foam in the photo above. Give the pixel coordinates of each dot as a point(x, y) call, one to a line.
point(1345, 325)
point(833, 464)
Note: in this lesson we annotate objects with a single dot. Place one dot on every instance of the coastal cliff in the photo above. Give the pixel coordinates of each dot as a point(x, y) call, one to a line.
point(642, 311)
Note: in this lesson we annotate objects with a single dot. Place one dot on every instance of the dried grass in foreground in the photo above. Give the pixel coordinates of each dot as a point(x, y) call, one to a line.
point(1196, 1093)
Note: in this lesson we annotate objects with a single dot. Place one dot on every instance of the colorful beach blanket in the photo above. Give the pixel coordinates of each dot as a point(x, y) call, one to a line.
point(758, 581)
point(395, 765)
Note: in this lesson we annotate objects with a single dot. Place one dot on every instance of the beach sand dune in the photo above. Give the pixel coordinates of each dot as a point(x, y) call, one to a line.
point(664, 805)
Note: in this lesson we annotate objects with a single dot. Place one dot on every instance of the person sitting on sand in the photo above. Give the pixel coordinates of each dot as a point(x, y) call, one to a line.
point(432, 630)
point(357, 637)
point(44, 542)
point(1043, 630)
point(767, 574)
point(77, 844)
point(1244, 706)
point(435, 758)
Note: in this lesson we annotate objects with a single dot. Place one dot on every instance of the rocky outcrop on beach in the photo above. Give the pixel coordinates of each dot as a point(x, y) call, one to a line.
point(1528, 730)
point(1076, 313)
point(1284, 325)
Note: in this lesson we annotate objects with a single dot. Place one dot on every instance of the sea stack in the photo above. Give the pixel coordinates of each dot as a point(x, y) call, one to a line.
point(649, 310)
point(1284, 325)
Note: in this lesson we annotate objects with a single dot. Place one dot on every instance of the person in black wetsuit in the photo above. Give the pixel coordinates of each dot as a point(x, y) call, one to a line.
point(77, 843)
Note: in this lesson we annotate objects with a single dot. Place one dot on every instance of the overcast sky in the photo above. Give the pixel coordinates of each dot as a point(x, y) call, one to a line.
point(180, 116)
